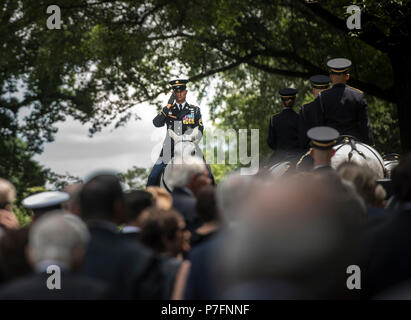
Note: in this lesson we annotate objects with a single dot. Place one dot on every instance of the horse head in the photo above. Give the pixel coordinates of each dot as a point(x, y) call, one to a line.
point(186, 143)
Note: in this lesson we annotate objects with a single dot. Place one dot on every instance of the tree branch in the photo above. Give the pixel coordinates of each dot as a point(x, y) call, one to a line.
point(149, 12)
point(373, 36)
point(364, 86)
point(282, 72)
point(168, 36)
point(306, 64)
point(222, 69)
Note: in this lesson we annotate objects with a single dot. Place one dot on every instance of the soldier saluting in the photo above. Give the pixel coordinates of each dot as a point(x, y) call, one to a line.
point(342, 107)
point(179, 116)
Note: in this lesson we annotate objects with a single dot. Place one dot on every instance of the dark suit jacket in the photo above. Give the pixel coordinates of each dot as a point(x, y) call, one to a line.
point(134, 236)
point(131, 270)
point(185, 203)
point(73, 287)
point(205, 269)
point(390, 253)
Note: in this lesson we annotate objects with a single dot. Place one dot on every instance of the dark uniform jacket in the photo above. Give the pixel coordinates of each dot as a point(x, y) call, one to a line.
point(309, 118)
point(345, 109)
point(283, 134)
point(389, 252)
point(178, 121)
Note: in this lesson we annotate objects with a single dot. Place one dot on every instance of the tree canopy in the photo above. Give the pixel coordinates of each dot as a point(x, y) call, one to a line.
point(111, 55)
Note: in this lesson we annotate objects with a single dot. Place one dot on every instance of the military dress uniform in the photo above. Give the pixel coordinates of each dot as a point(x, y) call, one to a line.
point(43, 202)
point(179, 118)
point(344, 108)
point(309, 116)
point(283, 131)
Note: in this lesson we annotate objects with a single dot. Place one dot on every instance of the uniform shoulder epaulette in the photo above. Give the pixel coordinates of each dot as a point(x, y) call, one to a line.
point(325, 90)
point(356, 89)
point(271, 118)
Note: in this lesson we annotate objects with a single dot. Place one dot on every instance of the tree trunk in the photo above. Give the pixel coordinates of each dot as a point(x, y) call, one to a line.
point(401, 66)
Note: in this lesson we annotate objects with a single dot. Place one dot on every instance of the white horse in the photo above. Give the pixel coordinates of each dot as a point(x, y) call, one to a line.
point(184, 145)
point(350, 150)
point(280, 168)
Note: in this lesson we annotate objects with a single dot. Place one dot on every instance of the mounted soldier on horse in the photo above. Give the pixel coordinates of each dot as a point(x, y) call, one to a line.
point(184, 130)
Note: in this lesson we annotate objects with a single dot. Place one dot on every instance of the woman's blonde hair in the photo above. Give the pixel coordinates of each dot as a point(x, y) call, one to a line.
point(7, 193)
point(364, 181)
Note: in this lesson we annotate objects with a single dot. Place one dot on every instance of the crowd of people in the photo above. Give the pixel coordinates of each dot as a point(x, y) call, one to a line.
point(294, 236)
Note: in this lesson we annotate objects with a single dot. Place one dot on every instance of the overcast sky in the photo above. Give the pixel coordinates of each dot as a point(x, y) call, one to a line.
point(75, 153)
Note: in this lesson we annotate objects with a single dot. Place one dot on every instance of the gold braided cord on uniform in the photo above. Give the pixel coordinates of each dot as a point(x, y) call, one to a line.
point(338, 71)
point(320, 85)
point(328, 144)
point(287, 96)
point(355, 89)
point(271, 118)
point(302, 158)
point(178, 84)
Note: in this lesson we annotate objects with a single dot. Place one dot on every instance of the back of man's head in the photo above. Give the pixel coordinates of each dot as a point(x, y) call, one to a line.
point(288, 103)
point(73, 204)
point(185, 170)
point(292, 234)
point(231, 194)
point(7, 193)
point(401, 179)
point(137, 201)
point(59, 237)
point(102, 198)
point(339, 77)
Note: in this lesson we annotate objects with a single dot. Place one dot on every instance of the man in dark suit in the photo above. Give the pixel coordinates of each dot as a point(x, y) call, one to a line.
point(342, 107)
point(283, 129)
point(323, 139)
point(137, 201)
point(180, 117)
point(390, 243)
point(129, 269)
point(57, 242)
